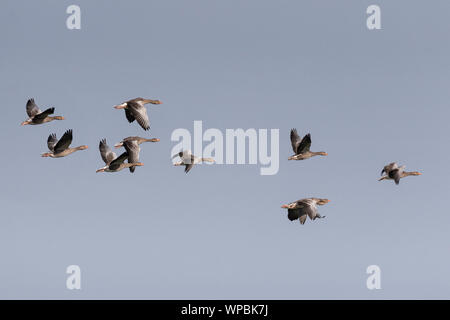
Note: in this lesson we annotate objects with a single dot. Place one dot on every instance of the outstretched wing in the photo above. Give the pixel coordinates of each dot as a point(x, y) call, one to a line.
point(64, 142)
point(115, 164)
point(129, 116)
point(32, 108)
point(51, 141)
point(295, 140)
point(132, 147)
point(139, 112)
point(188, 166)
point(395, 174)
point(41, 116)
point(305, 144)
point(389, 167)
point(293, 214)
point(105, 151)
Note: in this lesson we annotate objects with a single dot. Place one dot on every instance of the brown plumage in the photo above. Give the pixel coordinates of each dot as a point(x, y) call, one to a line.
point(135, 110)
point(301, 147)
point(36, 116)
point(60, 148)
point(303, 208)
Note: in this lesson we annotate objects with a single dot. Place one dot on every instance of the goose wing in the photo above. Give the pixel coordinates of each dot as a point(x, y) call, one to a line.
point(389, 167)
point(305, 144)
point(51, 141)
point(105, 151)
point(132, 148)
point(188, 166)
point(308, 208)
point(115, 164)
point(41, 116)
point(139, 112)
point(129, 116)
point(64, 142)
point(295, 140)
point(395, 174)
point(32, 108)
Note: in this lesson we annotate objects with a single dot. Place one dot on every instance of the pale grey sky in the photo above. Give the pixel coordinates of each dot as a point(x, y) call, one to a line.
point(367, 97)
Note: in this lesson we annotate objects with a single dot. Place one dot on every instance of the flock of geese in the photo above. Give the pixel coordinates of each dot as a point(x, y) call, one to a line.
point(135, 110)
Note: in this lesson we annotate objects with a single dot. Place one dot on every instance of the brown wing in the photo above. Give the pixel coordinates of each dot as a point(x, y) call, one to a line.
point(64, 142)
point(139, 112)
point(305, 144)
point(295, 140)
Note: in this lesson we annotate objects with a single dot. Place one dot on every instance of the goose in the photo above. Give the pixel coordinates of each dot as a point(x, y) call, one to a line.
point(61, 148)
point(36, 116)
point(114, 163)
point(301, 147)
point(393, 172)
point(135, 110)
point(188, 160)
point(139, 140)
point(303, 208)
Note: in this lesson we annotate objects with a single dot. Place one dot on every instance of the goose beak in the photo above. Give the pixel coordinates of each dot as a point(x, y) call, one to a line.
point(118, 145)
point(285, 206)
point(121, 106)
point(24, 123)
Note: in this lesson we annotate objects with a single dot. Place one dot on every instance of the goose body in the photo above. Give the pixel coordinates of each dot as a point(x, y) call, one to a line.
point(36, 116)
point(60, 148)
point(301, 147)
point(135, 110)
point(303, 208)
point(188, 160)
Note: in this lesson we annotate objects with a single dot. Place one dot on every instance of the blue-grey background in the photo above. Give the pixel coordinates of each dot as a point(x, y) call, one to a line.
point(367, 97)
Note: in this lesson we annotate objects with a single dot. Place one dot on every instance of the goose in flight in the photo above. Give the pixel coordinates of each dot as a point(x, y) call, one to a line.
point(188, 160)
point(139, 140)
point(393, 172)
point(301, 147)
point(135, 110)
point(36, 116)
point(303, 208)
point(61, 148)
point(112, 162)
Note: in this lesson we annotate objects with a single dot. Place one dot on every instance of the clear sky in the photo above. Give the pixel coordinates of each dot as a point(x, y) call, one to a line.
point(367, 97)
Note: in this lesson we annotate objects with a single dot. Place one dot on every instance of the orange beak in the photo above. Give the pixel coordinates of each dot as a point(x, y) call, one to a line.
point(285, 206)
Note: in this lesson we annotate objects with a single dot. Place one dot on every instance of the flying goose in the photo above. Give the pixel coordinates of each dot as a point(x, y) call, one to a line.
point(114, 163)
point(188, 160)
point(301, 147)
point(302, 208)
point(135, 110)
point(139, 140)
point(393, 172)
point(61, 148)
point(36, 116)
